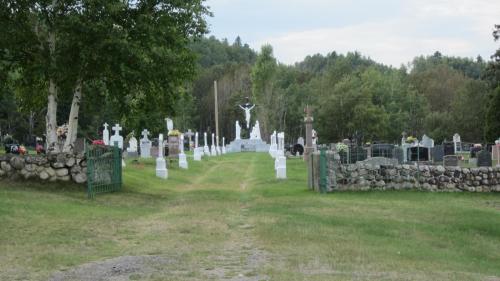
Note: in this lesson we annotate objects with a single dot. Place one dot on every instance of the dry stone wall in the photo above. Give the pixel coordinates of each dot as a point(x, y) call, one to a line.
point(370, 175)
point(51, 167)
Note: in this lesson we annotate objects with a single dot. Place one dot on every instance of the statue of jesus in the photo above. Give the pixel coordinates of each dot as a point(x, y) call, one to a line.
point(247, 107)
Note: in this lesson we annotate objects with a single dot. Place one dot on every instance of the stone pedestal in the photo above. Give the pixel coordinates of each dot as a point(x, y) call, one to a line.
point(173, 146)
point(281, 167)
point(183, 164)
point(213, 150)
point(244, 145)
point(161, 168)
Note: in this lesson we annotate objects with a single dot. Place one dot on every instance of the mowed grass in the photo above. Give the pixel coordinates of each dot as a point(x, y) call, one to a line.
point(230, 213)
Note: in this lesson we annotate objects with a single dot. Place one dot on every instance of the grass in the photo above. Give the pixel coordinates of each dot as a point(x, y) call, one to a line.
point(228, 217)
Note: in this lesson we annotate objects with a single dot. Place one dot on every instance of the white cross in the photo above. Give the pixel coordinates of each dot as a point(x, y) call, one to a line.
point(145, 133)
point(105, 126)
point(117, 129)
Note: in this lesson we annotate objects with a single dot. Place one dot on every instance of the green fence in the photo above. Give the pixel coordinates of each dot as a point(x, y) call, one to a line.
point(104, 169)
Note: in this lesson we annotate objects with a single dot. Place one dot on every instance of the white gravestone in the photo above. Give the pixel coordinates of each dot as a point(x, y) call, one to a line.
point(457, 143)
point(182, 156)
point(223, 145)
point(105, 134)
point(213, 149)
point(189, 135)
point(206, 150)
point(145, 145)
point(238, 130)
point(273, 148)
point(217, 147)
point(198, 151)
point(116, 138)
point(300, 141)
point(132, 144)
point(161, 164)
point(281, 165)
point(427, 142)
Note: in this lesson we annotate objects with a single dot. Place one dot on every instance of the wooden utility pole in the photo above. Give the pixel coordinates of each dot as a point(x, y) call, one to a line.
point(216, 111)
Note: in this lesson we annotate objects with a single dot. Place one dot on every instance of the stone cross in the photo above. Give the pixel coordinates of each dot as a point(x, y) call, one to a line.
point(116, 138)
point(117, 129)
point(189, 134)
point(182, 143)
point(145, 134)
point(105, 134)
point(196, 140)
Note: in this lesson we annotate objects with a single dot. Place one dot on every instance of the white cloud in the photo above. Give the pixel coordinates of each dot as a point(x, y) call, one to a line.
point(422, 28)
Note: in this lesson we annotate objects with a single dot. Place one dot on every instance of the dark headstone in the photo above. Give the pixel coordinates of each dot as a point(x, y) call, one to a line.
point(173, 146)
point(298, 148)
point(154, 151)
point(474, 151)
point(448, 148)
point(450, 160)
point(418, 153)
point(484, 158)
point(437, 153)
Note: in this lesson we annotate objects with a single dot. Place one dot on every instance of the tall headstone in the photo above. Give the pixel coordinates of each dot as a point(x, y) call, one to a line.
point(223, 145)
point(145, 145)
point(182, 156)
point(161, 164)
point(274, 147)
point(213, 149)
point(170, 124)
point(281, 165)
point(198, 151)
point(189, 134)
point(309, 148)
point(427, 142)
point(457, 143)
point(217, 147)
point(132, 145)
point(105, 134)
point(116, 138)
point(206, 150)
point(437, 153)
point(238, 130)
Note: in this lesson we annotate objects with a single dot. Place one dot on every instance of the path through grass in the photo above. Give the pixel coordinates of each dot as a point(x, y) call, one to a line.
point(228, 218)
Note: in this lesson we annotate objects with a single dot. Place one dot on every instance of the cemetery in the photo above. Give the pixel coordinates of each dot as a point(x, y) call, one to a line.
point(135, 144)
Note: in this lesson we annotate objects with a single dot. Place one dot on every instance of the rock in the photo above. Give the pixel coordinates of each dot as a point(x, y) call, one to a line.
point(380, 183)
point(6, 167)
point(51, 172)
point(58, 165)
point(440, 170)
point(62, 172)
point(80, 178)
point(43, 175)
point(70, 162)
point(17, 162)
point(2, 173)
point(65, 178)
point(466, 171)
point(76, 170)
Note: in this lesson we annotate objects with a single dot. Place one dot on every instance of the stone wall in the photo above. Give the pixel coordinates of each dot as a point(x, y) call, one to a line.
point(368, 175)
point(51, 167)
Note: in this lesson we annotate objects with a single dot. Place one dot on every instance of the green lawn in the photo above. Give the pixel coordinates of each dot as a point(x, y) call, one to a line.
point(227, 217)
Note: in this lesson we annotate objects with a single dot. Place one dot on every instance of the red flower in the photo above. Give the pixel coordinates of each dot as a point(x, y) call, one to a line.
point(98, 142)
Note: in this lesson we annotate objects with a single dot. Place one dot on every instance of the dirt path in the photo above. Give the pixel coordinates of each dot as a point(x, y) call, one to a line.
point(238, 259)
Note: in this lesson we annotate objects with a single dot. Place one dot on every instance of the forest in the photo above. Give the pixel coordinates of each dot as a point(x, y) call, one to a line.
point(352, 96)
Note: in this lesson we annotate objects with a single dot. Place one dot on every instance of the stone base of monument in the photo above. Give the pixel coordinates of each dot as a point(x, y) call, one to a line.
point(281, 167)
point(213, 150)
point(224, 150)
point(183, 164)
point(131, 154)
point(161, 168)
point(206, 150)
point(248, 145)
point(198, 152)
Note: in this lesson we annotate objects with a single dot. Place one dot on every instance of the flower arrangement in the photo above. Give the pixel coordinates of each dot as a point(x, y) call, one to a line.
point(97, 142)
point(174, 133)
point(341, 147)
point(411, 139)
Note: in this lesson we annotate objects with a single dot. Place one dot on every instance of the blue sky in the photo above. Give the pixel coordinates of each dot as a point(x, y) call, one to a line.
point(388, 31)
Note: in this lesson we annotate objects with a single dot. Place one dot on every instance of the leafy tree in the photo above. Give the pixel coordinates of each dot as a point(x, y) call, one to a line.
point(492, 128)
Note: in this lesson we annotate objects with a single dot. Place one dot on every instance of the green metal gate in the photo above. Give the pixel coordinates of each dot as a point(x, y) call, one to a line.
point(104, 169)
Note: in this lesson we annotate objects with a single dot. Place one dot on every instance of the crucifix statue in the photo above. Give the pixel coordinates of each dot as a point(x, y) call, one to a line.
point(247, 107)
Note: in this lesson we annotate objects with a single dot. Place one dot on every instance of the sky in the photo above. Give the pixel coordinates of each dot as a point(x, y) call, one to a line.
point(392, 32)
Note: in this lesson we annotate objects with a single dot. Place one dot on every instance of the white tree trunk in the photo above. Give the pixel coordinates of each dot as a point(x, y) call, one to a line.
point(51, 118)
point(69, 144)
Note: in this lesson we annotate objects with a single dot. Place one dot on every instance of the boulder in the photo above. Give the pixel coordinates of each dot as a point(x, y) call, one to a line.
point(17, 162)
point(80, 178)
point(6, 167)
point(51, 172)
point(62, 172)
point(70, 162)
point(43, 175)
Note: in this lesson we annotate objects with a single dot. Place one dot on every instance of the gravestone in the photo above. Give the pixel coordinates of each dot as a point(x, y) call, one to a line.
point(145, 145)
point(173, 147)
point(116, 138)
point(300, 141)
point(183, 164)
point(448, 148)
point(198, 151)
point(189, 135)
point(206, 150)
point(418, 153)
point(223, 145)
point(161, 165)
point(170, 124)
point(280, 164)
point(105, 134)
point(437, 153)
point(457, 143)
point(132, 147)
point(427, 142)
point(450, 161)
point(484, 159)
point(273, 148)
point(398, 154)
point(213, 149)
